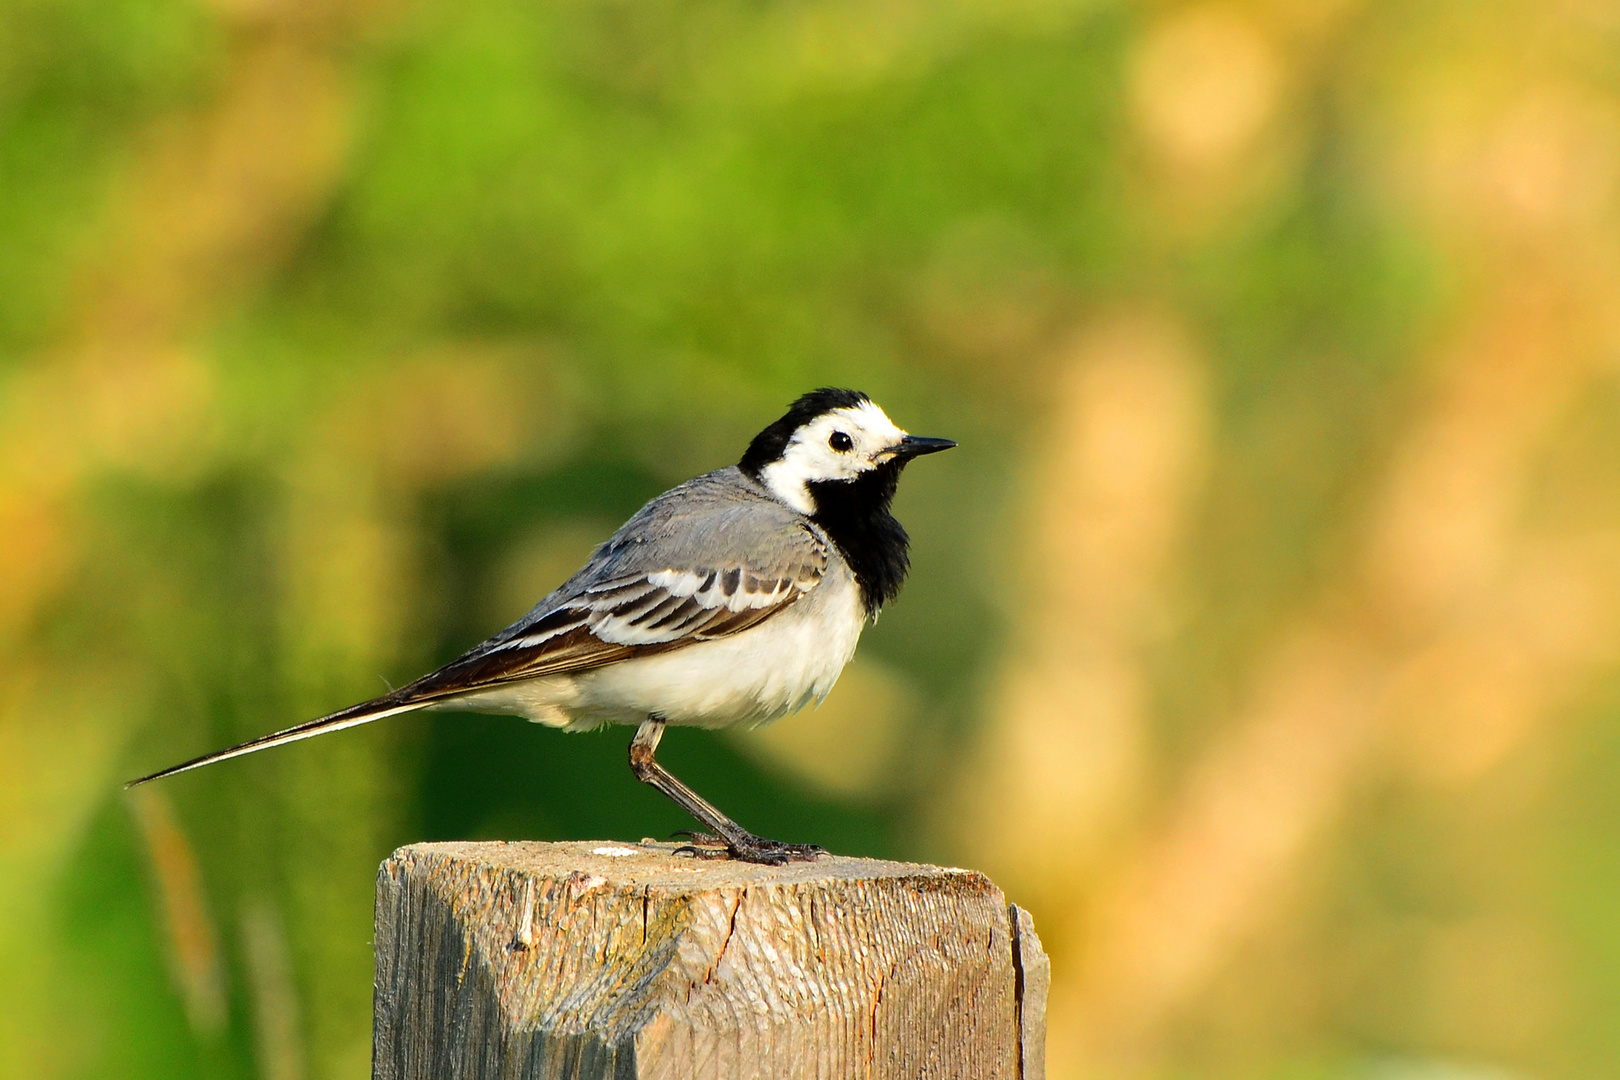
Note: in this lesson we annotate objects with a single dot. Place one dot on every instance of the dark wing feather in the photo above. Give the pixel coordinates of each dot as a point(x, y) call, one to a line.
point(628, 617)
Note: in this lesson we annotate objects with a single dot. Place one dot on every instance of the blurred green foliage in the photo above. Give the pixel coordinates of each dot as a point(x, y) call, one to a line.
point(331, 335)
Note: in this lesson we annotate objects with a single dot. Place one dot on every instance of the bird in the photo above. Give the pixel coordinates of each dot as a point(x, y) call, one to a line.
point(735, 598)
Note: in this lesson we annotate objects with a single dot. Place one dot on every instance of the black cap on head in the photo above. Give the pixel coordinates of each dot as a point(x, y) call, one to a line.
point(769, 444)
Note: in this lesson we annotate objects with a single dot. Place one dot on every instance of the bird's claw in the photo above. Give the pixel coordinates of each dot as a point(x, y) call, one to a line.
point(776, 853)
point(750, 849)
point(762, 852)
point(695, 852)
point(704, 845)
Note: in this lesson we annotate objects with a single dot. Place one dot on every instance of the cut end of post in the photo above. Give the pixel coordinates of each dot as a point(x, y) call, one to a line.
point(608, 959)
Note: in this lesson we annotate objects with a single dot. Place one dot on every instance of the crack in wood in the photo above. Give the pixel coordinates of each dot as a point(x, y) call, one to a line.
point(840, 968)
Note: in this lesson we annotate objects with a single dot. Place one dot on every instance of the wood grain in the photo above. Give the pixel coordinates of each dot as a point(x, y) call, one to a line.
point(601, 959)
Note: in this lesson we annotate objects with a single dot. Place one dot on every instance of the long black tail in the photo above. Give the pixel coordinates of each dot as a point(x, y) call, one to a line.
point(353, 716)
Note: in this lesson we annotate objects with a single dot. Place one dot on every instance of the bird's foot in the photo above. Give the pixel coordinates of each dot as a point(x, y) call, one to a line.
point(775, 852)
point(749, 849)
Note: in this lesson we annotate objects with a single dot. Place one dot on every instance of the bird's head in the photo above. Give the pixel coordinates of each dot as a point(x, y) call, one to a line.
point(830, 438)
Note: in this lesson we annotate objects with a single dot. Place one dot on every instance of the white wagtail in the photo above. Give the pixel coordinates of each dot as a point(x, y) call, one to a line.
point(735, 598)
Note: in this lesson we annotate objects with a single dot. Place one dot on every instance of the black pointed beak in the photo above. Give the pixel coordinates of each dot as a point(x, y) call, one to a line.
point(917, 445)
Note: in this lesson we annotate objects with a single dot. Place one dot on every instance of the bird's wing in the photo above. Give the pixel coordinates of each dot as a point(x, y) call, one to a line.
point(706, 560)
point(637, 614)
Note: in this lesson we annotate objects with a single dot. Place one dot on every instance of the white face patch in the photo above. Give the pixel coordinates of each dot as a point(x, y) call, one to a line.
point(816, 452)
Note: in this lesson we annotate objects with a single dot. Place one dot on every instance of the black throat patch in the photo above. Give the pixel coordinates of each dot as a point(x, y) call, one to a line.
point(855, 515)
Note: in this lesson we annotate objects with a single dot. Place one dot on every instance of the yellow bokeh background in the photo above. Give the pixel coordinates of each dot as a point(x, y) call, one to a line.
point(1262, 634)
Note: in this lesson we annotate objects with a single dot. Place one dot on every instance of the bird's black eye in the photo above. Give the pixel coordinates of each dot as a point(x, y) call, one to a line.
point(841, 442)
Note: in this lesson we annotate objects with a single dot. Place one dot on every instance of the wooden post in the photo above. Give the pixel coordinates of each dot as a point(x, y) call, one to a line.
point(586, 960)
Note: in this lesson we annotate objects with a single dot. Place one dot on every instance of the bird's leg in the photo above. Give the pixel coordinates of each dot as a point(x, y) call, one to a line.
point(739, 843)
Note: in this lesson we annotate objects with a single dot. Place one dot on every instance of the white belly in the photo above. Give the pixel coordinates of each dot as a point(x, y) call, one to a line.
point(773, 669)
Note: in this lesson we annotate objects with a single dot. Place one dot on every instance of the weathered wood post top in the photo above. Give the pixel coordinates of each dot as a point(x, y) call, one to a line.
point(604, 959)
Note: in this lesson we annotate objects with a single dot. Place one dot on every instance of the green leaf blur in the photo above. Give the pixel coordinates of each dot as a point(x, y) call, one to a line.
point(1260, 637)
